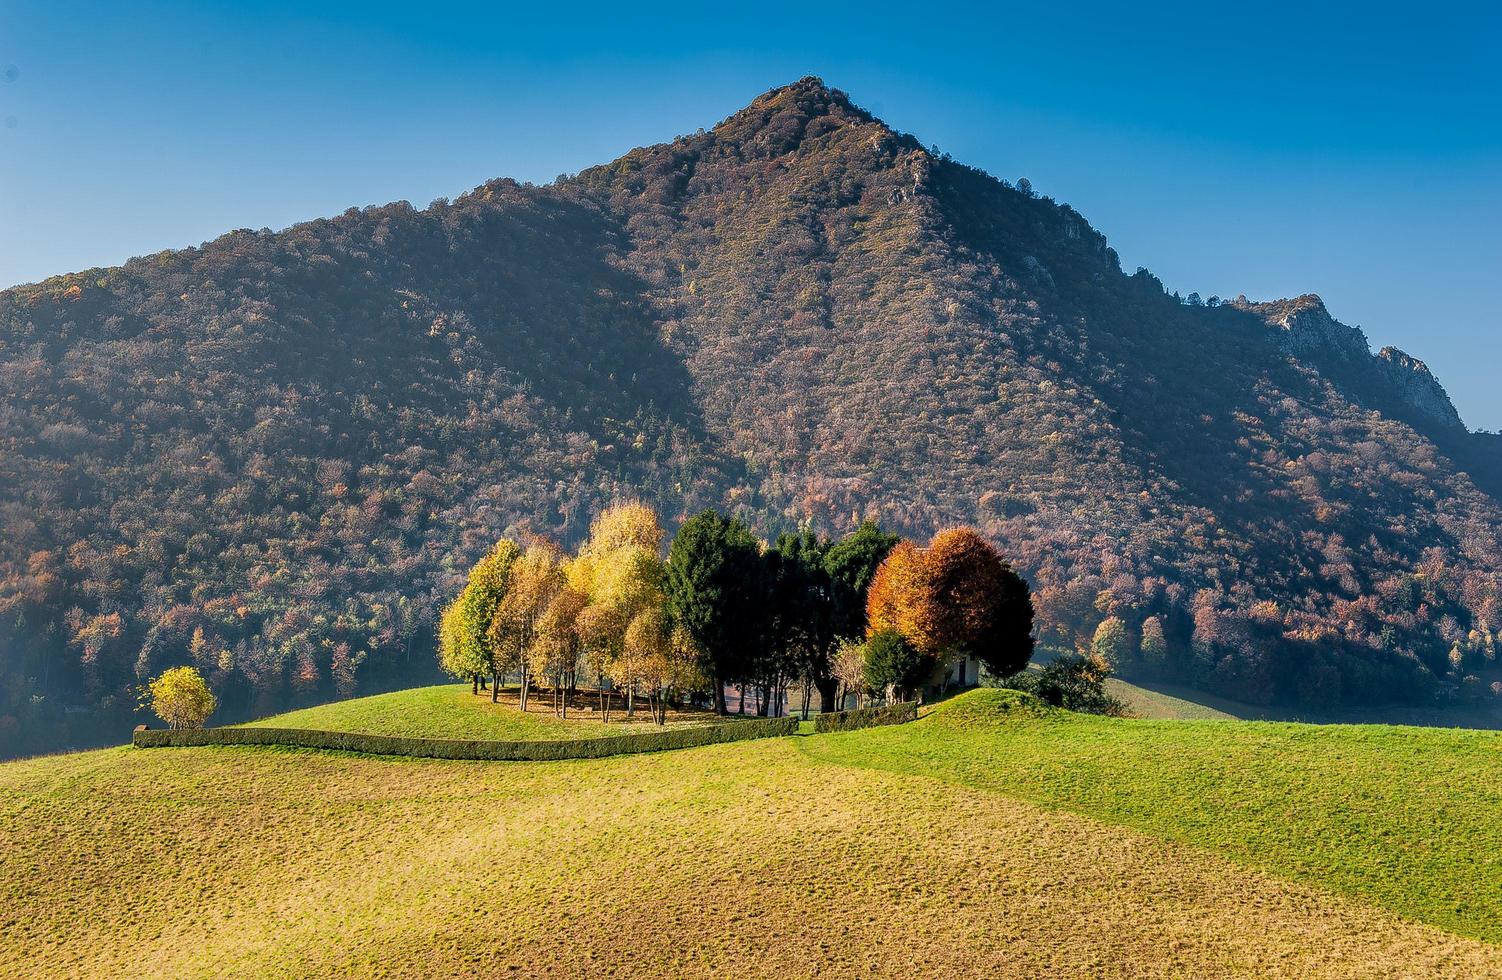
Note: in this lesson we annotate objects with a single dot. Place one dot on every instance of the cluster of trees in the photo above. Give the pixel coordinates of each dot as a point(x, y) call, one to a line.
point(865, 613)
point(539, 613)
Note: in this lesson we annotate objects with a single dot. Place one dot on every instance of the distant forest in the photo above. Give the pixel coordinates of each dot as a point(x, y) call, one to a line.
point(275, 456)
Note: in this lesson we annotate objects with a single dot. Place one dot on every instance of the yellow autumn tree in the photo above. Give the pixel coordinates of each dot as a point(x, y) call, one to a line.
point(621, 572)
point(663, 660)
point(625, 523)
point(181, 698)
point(535, 579)
point(556, 651)
point(465, 647)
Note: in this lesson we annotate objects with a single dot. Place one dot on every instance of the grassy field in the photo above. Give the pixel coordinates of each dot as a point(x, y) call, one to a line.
point(975, 841)
point(1143, 702)
point(1153, 699)
point(451, 711)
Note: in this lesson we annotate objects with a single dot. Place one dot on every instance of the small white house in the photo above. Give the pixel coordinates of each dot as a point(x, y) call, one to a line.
point(953, 673)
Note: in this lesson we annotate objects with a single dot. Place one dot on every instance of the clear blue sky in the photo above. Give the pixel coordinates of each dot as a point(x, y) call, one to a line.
point(1278, 149)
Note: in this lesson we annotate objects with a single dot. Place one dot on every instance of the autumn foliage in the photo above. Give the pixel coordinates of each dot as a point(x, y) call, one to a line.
point(956, 596)
point(181, 698)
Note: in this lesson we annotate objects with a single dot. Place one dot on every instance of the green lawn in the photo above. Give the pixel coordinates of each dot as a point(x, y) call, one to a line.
point(972, 842)
point(1408, 818)
point(451, 711)
point(1144, 702)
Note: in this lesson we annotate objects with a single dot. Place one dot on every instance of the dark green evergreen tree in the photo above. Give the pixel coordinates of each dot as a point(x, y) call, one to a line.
point(716, 592)
point(801, 633)
point(891, 661)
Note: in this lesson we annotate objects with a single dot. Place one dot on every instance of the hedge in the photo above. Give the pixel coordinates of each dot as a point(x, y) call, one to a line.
point(849, 721)
point(444, 748)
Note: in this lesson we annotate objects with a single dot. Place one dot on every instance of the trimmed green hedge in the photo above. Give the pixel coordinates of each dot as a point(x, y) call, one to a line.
point(849, 721)
point(444, 748)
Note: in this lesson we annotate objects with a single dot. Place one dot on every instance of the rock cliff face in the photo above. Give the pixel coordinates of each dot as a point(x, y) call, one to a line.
point(1419, 388)
point(1308, 332)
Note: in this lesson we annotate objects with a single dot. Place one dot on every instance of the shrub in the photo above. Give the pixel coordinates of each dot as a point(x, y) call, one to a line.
point(1070, 681)
point(886, 714)
point(443, 748)
point(181, 698)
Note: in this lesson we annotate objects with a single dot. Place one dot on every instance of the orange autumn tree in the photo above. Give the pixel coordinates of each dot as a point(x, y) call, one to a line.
point(955, 597)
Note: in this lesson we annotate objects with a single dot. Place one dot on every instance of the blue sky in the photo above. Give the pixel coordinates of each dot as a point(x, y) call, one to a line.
point(1271, 150)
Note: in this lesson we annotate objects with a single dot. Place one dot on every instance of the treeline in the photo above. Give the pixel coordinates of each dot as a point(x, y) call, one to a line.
point(864, 612)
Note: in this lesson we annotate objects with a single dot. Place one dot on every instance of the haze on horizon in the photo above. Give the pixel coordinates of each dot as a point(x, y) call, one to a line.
point(1290, 151)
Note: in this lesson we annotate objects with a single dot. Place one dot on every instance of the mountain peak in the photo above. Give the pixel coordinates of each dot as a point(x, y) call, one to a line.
point(809, 93)
point(779, 119)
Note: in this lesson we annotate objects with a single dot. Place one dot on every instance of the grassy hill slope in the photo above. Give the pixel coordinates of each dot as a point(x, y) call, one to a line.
point(451, 711)
point(971, 841)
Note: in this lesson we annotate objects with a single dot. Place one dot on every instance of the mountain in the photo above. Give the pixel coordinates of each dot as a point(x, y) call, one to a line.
point(274, 454)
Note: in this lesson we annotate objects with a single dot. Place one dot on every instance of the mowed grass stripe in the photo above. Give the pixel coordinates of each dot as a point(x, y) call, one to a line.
point(1406, 818)
point(751, 858)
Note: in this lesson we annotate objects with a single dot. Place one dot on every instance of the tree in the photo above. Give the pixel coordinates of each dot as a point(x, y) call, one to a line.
point(627, 582)
point(851, 564)
point(559, 643)
point(536, 577)
point(619, 573)
point(465, 647)
point(1111, 642)
point(954, 597)
point(894, 664)
point(849, 667)
point(181, 698)
point(896, 598)
point(1153, 648)
point(663, 660)
point(625, 523)
point(602, 632)
point(1070, 681)
point(800, 620)
point(715, 592)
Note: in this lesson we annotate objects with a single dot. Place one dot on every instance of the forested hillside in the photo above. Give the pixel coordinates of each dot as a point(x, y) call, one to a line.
point(274, 455)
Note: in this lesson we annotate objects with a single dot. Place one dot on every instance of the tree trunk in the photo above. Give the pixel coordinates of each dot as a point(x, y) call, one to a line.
point(474, 686)
point(526, 686)
point(495, 687)
point(808, 694)
point(604, 707)
point(631, 701)
point(719, 694)
point(828, 688)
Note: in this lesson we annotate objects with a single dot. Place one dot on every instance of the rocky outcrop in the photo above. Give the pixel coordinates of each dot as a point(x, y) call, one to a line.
point(1309, 333)
point(1308, 328)
point(1417, 386)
